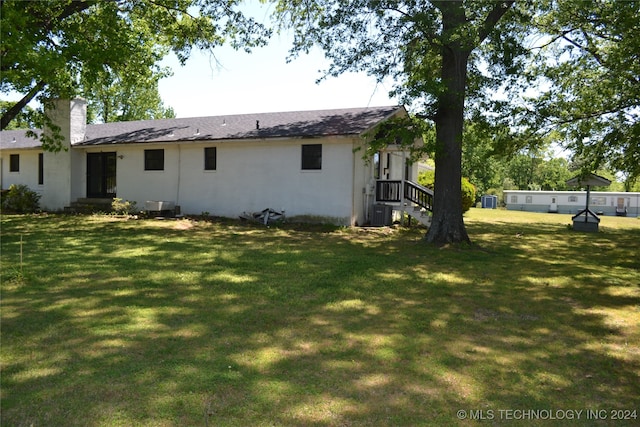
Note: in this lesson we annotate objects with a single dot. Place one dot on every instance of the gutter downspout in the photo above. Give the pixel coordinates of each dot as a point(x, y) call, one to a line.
point(179, 175)
point(402, 184)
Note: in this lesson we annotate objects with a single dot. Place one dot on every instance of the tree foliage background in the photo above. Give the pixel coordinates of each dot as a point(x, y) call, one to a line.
point(589, 62)
point(109, 50)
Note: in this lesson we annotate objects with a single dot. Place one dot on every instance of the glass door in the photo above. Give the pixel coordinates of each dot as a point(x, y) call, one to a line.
point(101, 175)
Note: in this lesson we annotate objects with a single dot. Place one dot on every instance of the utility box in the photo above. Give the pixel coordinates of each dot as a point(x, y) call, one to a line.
point(160, 207)
point(489, 201)
point(381, 215)
point(585, 222)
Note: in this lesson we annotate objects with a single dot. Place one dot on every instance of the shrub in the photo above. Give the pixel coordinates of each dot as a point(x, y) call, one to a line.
point(123, 207)
point(427, 179)
point(21, 199)
point(468, 195)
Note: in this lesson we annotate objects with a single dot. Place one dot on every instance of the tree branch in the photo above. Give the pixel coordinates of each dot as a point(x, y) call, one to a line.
point(12, 112)
point(492, 19)
point(586, 49)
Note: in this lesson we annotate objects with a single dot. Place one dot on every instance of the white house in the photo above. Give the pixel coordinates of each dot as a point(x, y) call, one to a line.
point(306, 163)
point(572, 202)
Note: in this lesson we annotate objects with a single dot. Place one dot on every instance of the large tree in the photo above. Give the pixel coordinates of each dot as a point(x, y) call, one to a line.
point(54, 48)
point(433, 50)
point(113, 98)
point(590, 68)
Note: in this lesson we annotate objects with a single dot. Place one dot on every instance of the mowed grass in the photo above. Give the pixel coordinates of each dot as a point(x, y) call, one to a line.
point(112, 322)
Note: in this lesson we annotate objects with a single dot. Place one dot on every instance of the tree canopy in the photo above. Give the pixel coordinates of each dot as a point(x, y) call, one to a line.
point(589, 59)
point(64, 48)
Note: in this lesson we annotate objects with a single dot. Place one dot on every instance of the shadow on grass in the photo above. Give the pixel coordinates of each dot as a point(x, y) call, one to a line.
point(148, 323)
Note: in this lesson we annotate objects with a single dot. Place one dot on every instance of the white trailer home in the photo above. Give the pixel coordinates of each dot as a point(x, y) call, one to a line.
point(305, 163)
point(572, 202)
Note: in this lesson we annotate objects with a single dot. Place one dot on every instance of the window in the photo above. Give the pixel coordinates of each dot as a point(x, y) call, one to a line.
point(573, 199)
point(14, 163)
point(529, 199)
point(312, 156)
point(40, 168)
point(376, 165)
point(154, 160)
point(514, 199)
point(210, 158)
point(599, 201)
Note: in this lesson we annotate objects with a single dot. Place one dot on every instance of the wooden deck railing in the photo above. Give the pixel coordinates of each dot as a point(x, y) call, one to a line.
point(421, 196)
point(389, 191)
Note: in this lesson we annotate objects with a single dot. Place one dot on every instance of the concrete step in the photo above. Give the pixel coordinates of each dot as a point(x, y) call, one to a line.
point(420, 214)
point(88, 205)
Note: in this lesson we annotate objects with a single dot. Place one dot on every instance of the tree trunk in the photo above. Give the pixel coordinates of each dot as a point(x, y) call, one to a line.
point(447, 225)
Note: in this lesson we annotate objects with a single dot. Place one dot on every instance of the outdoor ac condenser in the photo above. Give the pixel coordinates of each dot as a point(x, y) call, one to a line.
point(381, 215)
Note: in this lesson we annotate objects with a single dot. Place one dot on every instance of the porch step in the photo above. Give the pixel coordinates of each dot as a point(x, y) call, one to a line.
point(421, 215)
point(89, 205)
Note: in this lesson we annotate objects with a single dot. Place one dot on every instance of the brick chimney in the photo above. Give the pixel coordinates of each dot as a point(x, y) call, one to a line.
point(63, 177)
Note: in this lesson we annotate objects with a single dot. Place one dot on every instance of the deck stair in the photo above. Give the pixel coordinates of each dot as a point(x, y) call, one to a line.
point(420, 214)
point(90, 205)
point(418, 200)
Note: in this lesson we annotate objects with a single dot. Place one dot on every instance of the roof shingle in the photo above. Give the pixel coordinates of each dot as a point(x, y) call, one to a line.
point(294, 124)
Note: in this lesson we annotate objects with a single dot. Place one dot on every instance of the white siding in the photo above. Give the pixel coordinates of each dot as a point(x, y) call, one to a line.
point(249, 176)
point(571, 202)
point(28, 173)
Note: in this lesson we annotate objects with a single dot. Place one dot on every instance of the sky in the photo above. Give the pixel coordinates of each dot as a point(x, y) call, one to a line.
point(236, 82)
point(263, 81)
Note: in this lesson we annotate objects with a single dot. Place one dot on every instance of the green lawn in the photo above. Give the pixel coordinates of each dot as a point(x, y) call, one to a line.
point(175, 323)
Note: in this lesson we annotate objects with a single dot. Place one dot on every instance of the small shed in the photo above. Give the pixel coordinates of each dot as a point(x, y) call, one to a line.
point(586, 219)
point(489, 201)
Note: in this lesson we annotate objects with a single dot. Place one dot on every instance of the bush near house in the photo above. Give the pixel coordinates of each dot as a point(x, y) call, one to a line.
point(20, 199)
point(427, 179)
point(468, 194)
point(123, 207)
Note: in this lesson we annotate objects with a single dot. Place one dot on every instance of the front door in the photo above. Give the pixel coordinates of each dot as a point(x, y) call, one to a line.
point(101, 175)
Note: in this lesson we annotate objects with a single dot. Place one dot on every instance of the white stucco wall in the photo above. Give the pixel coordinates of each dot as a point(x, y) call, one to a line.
point(364, 187)
point(250, 176)
point(28, 173)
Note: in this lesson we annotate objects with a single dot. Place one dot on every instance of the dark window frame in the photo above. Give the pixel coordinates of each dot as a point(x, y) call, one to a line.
point(210, 158)
point(311, 156)
point(14, 162)
point(154, 159)
point(40, 168)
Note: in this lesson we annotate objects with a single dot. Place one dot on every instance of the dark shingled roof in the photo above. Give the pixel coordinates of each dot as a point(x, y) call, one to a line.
point(294, 124)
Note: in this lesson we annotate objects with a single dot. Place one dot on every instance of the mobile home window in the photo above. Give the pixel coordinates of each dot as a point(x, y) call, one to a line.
point(311, 156)
point(210, 158)
point(573, 199)
point(154, 160)
point(514, 199)
point(40, 168)
point(14, 163)
point(529, 199)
